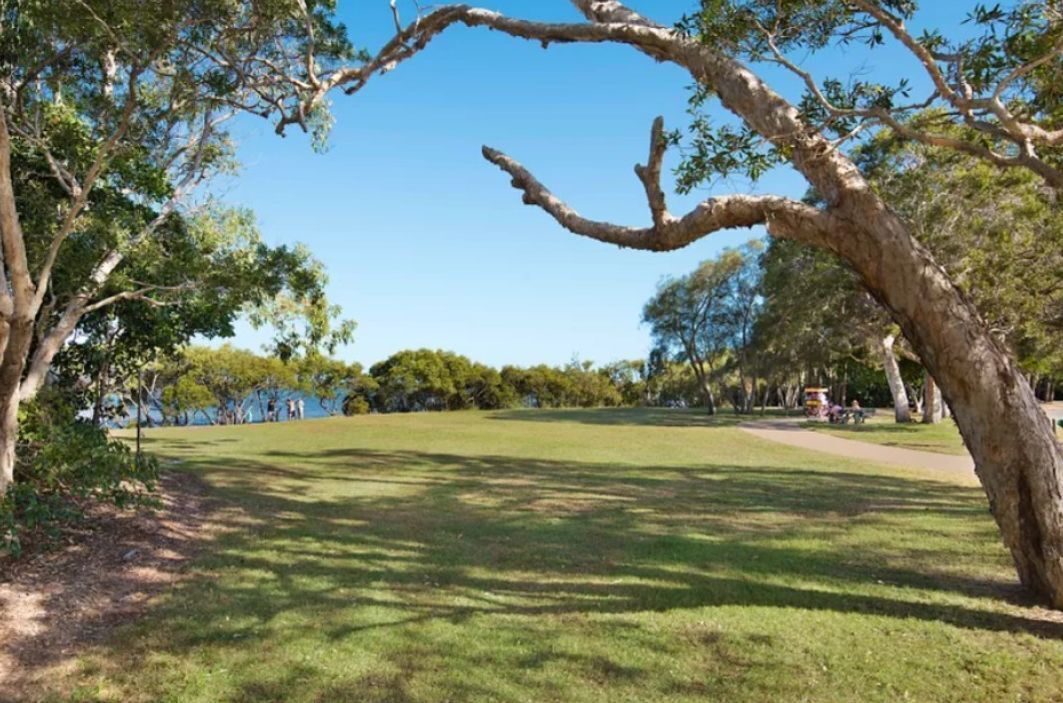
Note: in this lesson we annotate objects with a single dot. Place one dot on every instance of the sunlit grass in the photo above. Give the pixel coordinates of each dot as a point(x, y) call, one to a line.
point(619, 555)
point(942, 437)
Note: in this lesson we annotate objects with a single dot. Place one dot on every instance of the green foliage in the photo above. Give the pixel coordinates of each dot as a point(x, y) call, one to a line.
point(65, 464)
point(329, 380)
point(213, 268)
point(356, 405)
point(704, 316)
point(999, 234)
point(303, 320)
point(816, 314)
point(1005, 51)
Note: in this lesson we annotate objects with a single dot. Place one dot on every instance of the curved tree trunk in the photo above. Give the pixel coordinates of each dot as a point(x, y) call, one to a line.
point(1018, 459)
point(893, 378)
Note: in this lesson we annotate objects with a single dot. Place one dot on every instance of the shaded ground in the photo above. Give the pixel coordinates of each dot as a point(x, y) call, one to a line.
point(501, 557)
point(55, 603)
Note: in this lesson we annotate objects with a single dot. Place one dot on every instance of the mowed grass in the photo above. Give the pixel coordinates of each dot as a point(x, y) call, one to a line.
point(943, 437)
point(614, 555)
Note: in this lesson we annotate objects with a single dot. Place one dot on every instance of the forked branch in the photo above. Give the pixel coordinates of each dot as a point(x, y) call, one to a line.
point(650, 175)
point(781, 216)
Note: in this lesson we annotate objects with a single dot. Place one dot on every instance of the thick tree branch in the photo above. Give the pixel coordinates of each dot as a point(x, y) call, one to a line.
point(14, 247)
point(421, 31)
point(782, 216)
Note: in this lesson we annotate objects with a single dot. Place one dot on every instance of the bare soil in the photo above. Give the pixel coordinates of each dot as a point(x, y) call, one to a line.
point(54, 603)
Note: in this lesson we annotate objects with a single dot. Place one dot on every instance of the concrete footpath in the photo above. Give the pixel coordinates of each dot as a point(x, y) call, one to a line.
point(790, 431)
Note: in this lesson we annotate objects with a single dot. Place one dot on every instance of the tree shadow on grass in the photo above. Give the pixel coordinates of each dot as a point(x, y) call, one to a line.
point(643, 417)
point(411, 538)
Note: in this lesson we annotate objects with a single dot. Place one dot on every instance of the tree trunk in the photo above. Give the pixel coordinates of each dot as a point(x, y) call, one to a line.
point(1018, 459)
point(893, 377)
point(8, 440)
point(915, 397)
point(19, 334)
point(710, 399)
point(931, 400)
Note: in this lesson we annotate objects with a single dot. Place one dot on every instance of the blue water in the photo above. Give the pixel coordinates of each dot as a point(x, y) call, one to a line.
point(311, 409)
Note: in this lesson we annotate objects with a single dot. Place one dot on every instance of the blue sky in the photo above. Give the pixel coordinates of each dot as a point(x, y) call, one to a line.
point(426, 243)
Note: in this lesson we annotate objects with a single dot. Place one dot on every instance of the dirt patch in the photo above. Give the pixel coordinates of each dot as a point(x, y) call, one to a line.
point(53, 604)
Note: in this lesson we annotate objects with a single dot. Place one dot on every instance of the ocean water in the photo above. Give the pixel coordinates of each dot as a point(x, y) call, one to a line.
point(311, 410)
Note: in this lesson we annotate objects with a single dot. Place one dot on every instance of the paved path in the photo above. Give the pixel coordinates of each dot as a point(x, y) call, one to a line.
point(789, 431)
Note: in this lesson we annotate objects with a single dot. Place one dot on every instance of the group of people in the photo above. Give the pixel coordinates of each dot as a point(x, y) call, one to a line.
point(295, 408)
point(838, 414)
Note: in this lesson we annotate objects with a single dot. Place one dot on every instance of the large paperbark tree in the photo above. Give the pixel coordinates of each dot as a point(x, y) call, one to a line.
point(1019, 461)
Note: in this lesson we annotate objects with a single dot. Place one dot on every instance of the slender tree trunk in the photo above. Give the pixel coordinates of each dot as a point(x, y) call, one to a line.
point(915, 397)
point(19, 335)
point(707, 394)
point(893, 378)
point(932, 402)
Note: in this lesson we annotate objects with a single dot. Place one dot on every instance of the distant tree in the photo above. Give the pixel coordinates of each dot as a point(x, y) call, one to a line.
point(739, 315)
point(699, 317)
point(327, 379)
point(234, 272)
point(817, 317)
point(415, 380)
point(628, 378)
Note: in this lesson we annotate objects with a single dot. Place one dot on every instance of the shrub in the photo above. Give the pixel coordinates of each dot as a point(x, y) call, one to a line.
point(64, 465)
point(356, 405)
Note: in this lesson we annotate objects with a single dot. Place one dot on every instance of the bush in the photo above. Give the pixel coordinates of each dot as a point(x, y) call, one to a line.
point(64, 464)
point(356, 405)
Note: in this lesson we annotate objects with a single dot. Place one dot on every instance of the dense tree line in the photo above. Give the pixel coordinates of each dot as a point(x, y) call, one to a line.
point(226, 385)
point(229, 385)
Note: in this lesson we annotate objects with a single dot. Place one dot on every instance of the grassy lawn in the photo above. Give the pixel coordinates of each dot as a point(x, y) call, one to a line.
point(621, 555)
point(943, 437)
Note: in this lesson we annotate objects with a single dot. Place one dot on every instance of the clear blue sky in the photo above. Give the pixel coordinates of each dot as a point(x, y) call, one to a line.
point(426, 243)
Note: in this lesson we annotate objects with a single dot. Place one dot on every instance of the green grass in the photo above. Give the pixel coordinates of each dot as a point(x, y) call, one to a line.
point(943, 437)
point(619, 555)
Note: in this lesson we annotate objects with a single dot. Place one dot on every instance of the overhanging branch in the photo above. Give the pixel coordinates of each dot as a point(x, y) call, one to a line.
point(781, 216)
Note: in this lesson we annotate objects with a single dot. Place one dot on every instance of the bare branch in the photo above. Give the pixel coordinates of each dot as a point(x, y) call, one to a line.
point(900, 32)
point(140, 294)
point(650, 175)
point(419, 33)
point(782, 216)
